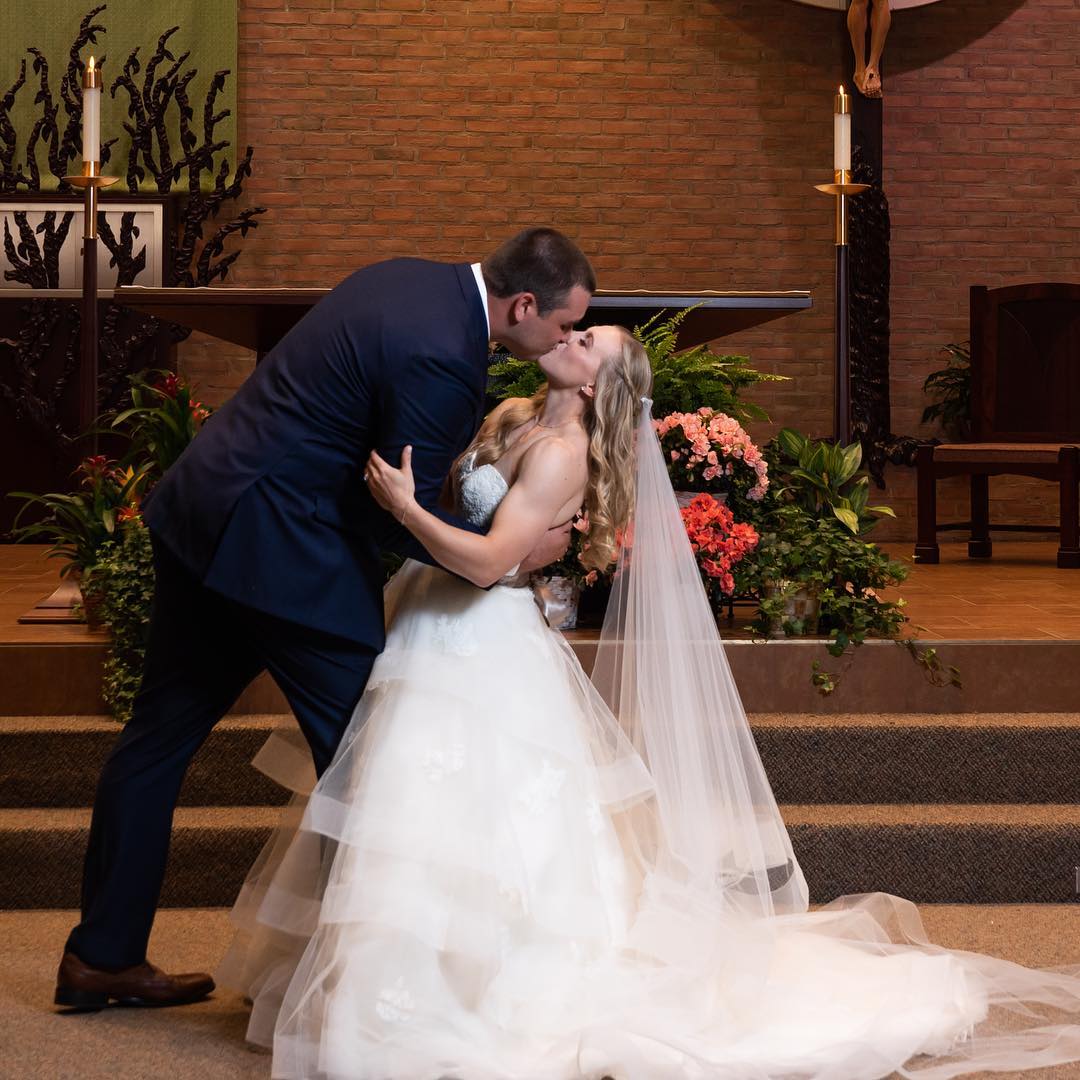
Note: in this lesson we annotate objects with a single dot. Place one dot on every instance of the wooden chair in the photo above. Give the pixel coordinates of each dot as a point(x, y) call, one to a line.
point(1025, 412)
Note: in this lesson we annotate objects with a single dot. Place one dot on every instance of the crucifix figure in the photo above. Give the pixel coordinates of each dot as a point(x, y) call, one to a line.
point(868, 70)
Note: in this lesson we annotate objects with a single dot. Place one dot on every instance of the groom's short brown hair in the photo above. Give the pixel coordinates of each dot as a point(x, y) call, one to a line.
point(541, 261)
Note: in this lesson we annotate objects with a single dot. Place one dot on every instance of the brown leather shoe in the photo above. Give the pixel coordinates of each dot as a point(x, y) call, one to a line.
point(79, 986)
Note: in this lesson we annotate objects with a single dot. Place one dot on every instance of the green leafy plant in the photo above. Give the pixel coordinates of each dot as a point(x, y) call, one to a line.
point(123, 578)
point(681, 380)
point(841, 574)
point(78, 524)
point(698, 376)
point(163, 419)
point(811, 527)
point(98, 528)
point(952, 386)
point(824, 479)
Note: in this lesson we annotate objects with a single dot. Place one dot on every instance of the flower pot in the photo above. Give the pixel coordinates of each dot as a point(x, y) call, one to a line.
point(685, 498)
point(557, 597)
point(90, 602)
point(93, 603)
point(801, 603)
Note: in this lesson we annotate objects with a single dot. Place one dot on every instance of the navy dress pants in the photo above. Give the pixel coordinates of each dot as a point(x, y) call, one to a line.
point(203, 650)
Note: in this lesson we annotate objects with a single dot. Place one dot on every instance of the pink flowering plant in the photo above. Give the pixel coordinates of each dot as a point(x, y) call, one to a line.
point(708, 451)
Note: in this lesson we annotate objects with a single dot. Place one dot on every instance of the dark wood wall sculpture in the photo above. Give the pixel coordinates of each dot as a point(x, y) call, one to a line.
point(39, 336)
point(869, 231)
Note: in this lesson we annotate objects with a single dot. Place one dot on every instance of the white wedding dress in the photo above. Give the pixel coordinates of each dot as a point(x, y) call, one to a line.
point(462, 896)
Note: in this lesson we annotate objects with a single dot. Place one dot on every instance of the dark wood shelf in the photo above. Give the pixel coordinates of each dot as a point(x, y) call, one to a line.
point(258, 318)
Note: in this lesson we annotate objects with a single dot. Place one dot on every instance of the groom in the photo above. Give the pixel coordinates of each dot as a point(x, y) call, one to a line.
point(267, 550)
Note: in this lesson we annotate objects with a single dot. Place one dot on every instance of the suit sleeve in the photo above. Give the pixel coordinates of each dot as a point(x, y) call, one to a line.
point(430, 406)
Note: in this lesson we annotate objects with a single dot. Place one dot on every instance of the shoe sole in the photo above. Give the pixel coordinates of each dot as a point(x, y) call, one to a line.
point(95, 1000)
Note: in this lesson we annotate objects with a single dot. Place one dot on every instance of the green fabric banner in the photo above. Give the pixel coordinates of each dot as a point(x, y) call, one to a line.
point(206, 27)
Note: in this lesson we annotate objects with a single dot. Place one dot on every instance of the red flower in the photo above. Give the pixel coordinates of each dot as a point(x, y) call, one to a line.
point(169, 386)
point(92, 466)
point(717, 539)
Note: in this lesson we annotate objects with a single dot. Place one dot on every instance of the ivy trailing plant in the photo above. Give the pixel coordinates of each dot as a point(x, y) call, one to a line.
point(123, 583)
point(695, 375)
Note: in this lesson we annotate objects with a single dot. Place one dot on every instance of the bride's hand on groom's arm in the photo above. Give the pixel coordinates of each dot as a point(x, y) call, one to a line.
point(393, 489)
point(551, 548)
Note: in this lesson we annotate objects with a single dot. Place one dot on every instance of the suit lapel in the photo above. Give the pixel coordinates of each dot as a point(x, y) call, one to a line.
point(478, 334)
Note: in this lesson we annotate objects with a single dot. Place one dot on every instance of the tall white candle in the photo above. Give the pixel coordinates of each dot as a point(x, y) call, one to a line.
point(842, 132)
point(91, 113)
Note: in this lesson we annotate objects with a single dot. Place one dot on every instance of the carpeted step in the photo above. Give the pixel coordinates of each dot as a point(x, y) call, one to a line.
point(943, 853)
point(42, 851)
point(55, 760)
point(930, 854)
point(920, 757)
point(858, 758)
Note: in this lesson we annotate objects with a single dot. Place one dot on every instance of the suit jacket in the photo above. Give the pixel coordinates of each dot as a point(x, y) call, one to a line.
point(268, 505)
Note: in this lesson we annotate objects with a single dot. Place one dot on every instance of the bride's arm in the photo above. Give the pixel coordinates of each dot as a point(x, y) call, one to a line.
point(549, 475)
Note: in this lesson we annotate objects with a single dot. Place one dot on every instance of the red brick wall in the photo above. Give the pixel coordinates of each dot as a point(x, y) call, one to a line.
point(983, 145)
point(677, 140)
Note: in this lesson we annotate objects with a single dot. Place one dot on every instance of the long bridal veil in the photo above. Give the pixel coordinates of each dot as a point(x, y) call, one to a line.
point(721, 884)
point(661, 669)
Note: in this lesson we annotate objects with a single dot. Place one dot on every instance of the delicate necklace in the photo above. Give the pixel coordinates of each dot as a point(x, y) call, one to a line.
point(552, 427)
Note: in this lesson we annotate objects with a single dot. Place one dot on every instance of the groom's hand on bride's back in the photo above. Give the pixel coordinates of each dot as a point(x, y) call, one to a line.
point(552, 547)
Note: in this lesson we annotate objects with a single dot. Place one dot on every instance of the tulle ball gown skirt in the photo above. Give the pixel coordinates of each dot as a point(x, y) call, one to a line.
point(462, 895)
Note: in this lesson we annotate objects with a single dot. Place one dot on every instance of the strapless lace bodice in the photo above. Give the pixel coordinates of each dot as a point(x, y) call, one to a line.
point(480, 490)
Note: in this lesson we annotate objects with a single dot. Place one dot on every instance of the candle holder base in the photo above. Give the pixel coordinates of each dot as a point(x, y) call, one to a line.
point(81, 181)
point(842, 189)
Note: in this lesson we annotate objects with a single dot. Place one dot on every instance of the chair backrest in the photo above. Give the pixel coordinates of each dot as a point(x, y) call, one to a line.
point(1025, 363)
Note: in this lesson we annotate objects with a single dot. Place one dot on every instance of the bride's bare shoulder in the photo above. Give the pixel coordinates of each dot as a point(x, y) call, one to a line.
point(554, 452)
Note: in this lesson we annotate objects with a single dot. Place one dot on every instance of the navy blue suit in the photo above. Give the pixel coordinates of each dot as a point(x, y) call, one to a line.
point(267, 551)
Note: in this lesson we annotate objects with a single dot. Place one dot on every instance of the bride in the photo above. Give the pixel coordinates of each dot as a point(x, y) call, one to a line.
point(512, 871)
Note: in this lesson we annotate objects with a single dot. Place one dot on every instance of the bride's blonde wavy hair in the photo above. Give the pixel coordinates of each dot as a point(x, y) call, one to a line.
point(610, 419)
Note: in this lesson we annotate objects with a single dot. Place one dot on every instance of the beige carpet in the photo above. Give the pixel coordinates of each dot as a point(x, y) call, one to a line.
point(206, 1041)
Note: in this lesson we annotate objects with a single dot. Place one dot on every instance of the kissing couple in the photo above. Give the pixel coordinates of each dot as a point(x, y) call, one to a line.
point(494, 866)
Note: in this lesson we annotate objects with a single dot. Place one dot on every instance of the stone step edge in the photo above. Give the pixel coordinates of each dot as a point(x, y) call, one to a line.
point(20, 725)
point(824, 721)
point(904, 815)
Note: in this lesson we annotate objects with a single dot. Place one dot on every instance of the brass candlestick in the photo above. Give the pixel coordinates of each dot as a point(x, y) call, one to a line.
point(90, 180)
point(58, 608)
point(842, 189)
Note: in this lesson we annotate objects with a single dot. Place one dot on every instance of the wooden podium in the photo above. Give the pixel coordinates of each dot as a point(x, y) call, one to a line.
point(259, 318)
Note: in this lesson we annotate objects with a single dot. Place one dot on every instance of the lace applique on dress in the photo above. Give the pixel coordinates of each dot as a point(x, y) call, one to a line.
point(439, 764)
point(454, 636)
point(542, 791)
point(480, 490)
point(395, 1004)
